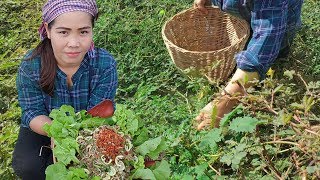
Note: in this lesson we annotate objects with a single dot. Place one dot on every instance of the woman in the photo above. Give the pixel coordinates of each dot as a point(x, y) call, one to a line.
point(65, 68)
point(273, 24)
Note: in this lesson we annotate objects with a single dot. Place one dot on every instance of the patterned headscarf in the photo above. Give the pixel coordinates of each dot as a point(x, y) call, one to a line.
point(53, 8)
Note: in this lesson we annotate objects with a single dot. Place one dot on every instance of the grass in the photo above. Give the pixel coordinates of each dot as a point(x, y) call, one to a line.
point(150, 84)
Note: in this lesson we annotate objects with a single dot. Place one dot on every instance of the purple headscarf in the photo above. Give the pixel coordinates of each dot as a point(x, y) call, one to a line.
point(53, 8)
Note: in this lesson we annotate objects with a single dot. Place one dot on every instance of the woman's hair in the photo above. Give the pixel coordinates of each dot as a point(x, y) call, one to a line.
point(48, 62)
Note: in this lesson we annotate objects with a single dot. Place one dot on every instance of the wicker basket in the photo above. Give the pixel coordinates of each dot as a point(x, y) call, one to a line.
point(205, 44)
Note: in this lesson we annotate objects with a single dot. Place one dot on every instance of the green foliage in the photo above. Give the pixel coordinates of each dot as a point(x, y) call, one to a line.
point(152, 147)
point(307, 44)
point(9, 133)
point(144, 174)
point(162, 171)
point(59, 171)
point(244, 124)
point(211, 139)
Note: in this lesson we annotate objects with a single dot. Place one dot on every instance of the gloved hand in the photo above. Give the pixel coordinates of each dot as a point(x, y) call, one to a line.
point(200, 4)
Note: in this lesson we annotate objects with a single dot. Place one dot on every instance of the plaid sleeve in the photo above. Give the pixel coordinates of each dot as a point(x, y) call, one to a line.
point(268, 22)
point(29, 95)
point(105, 82)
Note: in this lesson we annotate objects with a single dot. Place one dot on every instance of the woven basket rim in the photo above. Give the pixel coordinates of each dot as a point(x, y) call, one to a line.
point(199, 52)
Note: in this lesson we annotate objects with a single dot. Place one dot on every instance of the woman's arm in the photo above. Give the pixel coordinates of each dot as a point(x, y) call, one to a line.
point(268, 23)
point(30, 97)
point(37, 123)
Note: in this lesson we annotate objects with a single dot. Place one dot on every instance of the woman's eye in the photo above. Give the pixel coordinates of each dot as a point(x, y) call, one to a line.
point(84, 32)
point(63, 32)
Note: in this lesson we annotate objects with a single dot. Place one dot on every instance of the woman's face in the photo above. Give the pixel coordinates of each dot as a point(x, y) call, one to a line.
point(71, 37)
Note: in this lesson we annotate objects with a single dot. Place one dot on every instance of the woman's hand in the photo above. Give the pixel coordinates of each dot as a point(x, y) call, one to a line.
point(37, 123)
point(200, 4)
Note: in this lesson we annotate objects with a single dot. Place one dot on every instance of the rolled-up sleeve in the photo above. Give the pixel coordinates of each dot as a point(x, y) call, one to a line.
point(268, 23)
point(29, 95)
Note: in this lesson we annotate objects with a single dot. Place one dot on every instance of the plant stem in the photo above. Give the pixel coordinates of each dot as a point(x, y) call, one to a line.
point(267, 158)
point(312, 132)
point(213, 169)
point(281, 142)
point(304, 82)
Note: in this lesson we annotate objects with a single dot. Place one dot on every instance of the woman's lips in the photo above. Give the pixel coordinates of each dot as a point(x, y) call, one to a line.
point(73, 54)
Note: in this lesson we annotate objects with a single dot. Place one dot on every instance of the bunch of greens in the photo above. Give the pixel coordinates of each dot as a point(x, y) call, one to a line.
point(67, 127)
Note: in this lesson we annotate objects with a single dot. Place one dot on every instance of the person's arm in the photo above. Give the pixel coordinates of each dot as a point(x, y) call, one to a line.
point(106, 82)
point(34, 114)
point(268, 23)
point(37, 123)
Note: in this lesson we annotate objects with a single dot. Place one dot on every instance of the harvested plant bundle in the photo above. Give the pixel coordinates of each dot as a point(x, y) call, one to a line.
point(106, 152)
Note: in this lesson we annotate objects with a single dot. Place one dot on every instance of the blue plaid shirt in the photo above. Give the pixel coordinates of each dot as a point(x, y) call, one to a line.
point(95, 80)
point(273, 22)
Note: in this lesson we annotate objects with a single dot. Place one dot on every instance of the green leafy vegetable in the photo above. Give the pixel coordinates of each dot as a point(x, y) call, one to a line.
point(244, 124)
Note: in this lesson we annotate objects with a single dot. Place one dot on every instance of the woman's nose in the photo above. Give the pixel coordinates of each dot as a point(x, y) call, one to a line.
point(74, 42)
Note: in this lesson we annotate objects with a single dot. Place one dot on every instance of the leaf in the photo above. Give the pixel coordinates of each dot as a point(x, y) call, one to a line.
point(56, 171)
point(76, 173)
point(234, 157)
point(211, 139)
point(277, 88)
point(308, 103)
point(151, 147)
point(313, 169)
point(142, 137)
point(199, 169)
point(148, 146)
point(237, 159)
point(65, 111)
point(244, 124)
point(126, 119)
point(68, 110)
point(227, 118)
point(96, 122)
point(162, 171)
point(143, 174)
point(139, 163)
point(96, 178)
point(132, 126)
point(283, 118)
point(54, 113)
point(227, 159)
point(161, 147)
point(270, 73)
point(187, 177)
point(289, 74)
point(57, 131)
point(67, 120)
point(214, 116)
point(297, 106)
point(65, 151)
